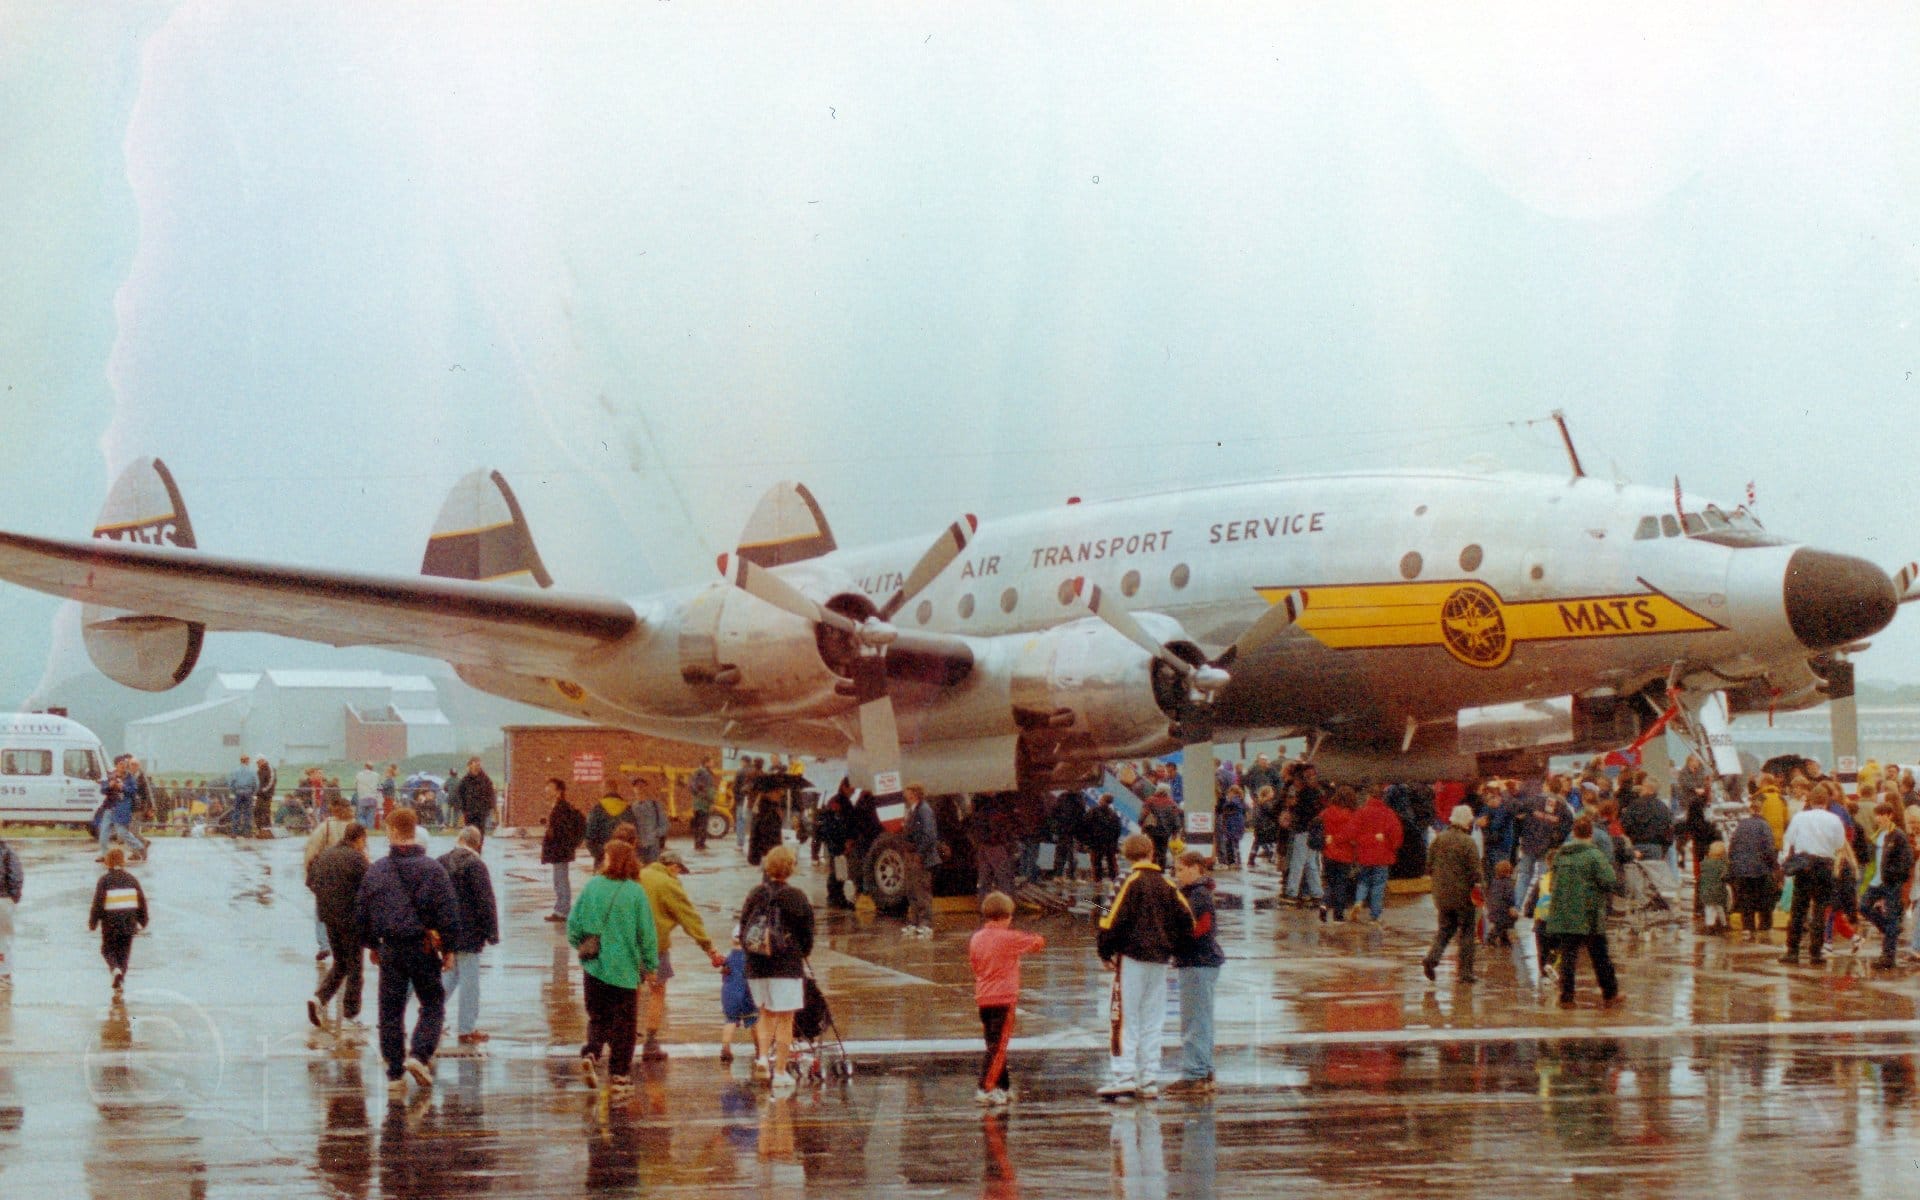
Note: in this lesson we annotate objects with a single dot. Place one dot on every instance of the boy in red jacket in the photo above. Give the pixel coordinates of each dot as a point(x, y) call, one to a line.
point(995, 954)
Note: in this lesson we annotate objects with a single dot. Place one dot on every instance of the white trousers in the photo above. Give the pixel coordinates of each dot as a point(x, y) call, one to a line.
point(1142, 1021)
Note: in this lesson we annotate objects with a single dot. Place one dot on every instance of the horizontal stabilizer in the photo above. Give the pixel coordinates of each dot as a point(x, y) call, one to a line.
point(463, 622)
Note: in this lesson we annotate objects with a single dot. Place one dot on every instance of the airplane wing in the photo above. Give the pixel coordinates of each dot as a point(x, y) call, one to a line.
point(467, 623)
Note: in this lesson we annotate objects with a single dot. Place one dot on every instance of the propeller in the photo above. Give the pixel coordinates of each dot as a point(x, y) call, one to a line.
point(949, 546)
point(1207, 680)
point(1906, 582)
point(877, 736)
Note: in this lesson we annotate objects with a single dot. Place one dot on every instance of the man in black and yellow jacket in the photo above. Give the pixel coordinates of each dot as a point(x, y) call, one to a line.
point(1145, 925)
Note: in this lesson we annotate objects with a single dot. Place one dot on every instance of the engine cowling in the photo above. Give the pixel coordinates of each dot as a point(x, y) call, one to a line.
point(753, 654)
point(1081, 692)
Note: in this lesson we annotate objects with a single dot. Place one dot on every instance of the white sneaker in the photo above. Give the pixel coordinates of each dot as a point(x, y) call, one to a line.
point(421, 1072)
point(982, 1096)
point(784, 1086)
point(762, 1069)
point(1119, 1089)
point(998, 1097)
point(1149, 1091)
point(397, 1088)
point(926, 931)
point(590, 1070)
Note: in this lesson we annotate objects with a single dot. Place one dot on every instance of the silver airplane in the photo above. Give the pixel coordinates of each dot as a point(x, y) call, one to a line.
point(1414, 624)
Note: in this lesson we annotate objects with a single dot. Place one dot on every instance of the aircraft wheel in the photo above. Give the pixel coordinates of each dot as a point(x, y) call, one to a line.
point(717, 824)
point(887, 872)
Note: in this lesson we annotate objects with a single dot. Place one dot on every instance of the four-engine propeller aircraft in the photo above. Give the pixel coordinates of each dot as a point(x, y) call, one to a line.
point(1411, 624)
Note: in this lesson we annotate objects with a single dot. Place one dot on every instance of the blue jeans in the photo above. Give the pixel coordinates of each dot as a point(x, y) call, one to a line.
point(463, 980)
point(241, 817)
point(320, 934)
point(107, 828)
point(1372, 883)
point(563, 888)
point(1303, 868)
point(1525, 872)
point(404, 972)
point(1339, 897)
point(368, 813)
point(1196, 1021)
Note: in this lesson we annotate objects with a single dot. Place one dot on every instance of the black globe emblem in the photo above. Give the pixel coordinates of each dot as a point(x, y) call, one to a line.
point(1473, 628)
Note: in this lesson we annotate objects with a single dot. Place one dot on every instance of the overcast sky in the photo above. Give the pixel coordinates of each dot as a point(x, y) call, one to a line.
point(646, 258)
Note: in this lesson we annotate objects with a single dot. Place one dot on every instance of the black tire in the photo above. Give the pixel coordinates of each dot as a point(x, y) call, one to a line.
point(718, 826)
point(886, 872)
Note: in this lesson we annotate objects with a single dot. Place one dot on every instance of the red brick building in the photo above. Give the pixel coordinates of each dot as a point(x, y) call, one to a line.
point(589, 757)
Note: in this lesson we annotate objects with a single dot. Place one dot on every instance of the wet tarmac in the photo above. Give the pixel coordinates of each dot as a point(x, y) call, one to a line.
point(1341, 1069)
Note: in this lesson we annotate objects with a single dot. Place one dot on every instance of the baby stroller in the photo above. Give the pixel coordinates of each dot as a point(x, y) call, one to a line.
point(1649, 896)
point(819, 1052)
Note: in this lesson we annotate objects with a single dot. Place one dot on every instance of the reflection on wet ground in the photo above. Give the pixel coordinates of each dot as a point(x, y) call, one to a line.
point(1697, 1117)
point(1342, 1070)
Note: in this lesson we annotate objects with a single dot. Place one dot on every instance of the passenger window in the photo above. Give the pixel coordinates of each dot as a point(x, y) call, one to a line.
point(81, 764)
point(1470, 558)
point(1008, 600)
point(26, 762)
point(1670, 526)
point(1180, 576)
point(1130, 583)
point(1410, 565)
point(1648, 529)
point(966, 606)
point(924, 613)
point(1069, 591)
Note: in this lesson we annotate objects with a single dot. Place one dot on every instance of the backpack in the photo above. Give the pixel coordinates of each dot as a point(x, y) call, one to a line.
point(765, 933)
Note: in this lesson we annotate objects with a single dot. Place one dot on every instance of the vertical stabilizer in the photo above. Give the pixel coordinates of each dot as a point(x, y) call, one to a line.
point(787, 527)
point(481, 534)
point(150, 653)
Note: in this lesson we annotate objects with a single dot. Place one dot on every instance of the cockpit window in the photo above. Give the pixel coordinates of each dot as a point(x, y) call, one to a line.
point(1738, 528)
point(1648, 529)
point(1670, 525)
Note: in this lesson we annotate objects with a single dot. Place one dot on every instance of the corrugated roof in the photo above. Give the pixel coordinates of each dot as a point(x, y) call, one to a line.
point(175, 714)
point(349, 679)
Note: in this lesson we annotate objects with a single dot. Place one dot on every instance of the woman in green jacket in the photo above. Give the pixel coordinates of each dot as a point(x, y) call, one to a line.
point(614, 908)
point(1582, 880)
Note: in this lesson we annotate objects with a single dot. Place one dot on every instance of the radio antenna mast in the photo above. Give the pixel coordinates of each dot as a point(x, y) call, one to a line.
point(1566, 439)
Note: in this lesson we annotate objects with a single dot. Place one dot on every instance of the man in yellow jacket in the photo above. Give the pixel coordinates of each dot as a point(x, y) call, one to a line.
point(672, 908)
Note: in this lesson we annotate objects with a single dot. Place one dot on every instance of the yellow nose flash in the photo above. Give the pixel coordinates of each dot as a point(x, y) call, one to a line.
point(1472, 623)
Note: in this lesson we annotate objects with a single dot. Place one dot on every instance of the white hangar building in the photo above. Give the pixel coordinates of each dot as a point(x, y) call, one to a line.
point(299, 717)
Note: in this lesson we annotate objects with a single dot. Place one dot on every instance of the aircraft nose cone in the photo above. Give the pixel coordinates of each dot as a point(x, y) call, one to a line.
point(1833, 599)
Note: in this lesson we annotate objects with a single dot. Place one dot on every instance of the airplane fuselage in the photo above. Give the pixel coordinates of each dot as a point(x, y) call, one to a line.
point(1427, 593)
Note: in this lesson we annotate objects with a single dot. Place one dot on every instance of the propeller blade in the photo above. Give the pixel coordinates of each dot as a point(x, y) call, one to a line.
point(1907, 582)
point(1271, 624)
point(763, 584)
point(876, 734)
point(1123, 623)
point(949, 546)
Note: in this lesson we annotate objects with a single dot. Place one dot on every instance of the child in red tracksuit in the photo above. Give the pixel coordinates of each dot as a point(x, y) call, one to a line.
point(995, 952)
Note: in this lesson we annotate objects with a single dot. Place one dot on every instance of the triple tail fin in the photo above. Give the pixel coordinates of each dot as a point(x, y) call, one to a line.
point(482, 535)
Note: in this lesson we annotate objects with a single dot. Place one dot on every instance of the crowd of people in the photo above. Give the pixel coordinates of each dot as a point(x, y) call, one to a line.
point(1554, 851)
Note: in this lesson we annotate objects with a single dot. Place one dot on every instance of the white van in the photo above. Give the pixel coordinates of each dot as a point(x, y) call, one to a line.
point(50, 769)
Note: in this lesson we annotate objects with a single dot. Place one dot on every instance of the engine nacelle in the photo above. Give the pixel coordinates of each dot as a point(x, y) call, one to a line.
point(150, 653)
point(1082, 692)
point(735, 649)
